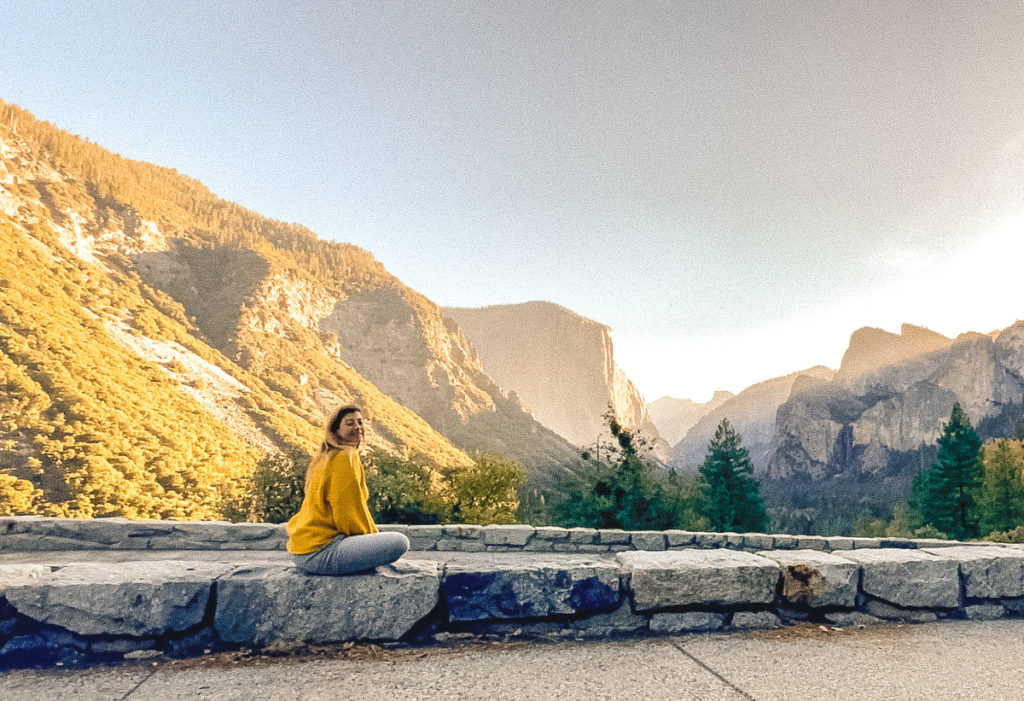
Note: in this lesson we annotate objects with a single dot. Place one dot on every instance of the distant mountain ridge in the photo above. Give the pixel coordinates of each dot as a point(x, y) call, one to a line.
point(872, 413)
point(674, 417)
point(752, 413)
point(560, 364)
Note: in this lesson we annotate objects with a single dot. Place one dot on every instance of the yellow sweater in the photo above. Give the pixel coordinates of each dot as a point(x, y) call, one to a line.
point(335, 503)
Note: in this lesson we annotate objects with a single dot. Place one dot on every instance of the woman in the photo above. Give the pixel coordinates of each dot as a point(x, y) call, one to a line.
point(333, 532)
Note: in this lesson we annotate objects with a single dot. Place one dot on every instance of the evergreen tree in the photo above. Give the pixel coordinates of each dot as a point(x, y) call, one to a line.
point(944, 494)
point(1001, 498)
point(732, 498)
point(624, 494)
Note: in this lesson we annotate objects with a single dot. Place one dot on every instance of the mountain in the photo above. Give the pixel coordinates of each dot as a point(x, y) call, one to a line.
point(752, 414)
point(674, 417)
point(155, 340)
point(873, 416)
point(560, 364)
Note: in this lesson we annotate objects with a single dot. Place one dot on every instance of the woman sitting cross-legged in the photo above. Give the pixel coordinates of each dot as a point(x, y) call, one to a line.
point(333, 532)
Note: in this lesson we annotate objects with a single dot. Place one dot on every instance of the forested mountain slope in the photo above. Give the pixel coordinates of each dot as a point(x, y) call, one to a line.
point(154, 339)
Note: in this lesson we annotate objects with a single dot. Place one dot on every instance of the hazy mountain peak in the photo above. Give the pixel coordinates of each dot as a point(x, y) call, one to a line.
point(872, 348)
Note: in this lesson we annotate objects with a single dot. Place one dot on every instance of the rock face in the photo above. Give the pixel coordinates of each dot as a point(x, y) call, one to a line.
point(687, 577)
point(752, 413)
point(561, 365)
point(275, 603)
point(528, 589)
point(674, 417)
point(132, 598)
point(893, 393)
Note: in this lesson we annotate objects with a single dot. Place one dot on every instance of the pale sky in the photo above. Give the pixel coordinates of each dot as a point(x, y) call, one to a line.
point(732, 187)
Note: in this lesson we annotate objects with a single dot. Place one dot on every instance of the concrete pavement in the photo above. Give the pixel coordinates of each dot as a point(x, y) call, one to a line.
point(949, 660)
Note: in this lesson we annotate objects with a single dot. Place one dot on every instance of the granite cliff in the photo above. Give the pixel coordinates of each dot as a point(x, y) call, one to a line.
point(560, 364)
point(752, 414)
point(891, 395)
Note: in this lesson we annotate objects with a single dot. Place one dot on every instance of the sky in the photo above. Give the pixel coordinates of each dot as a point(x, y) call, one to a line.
point(732, 187)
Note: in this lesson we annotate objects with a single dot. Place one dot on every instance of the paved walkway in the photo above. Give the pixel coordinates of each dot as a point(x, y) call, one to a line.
point(951, 660)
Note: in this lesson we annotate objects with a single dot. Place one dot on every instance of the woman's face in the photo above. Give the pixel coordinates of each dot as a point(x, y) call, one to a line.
point(350, 429)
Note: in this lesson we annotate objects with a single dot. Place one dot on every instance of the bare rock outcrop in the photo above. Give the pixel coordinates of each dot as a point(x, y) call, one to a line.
point(752, 413)
point(872, 412)
point(560, 364)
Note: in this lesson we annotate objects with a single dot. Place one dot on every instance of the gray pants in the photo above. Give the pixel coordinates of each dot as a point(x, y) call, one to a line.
point(354, 553)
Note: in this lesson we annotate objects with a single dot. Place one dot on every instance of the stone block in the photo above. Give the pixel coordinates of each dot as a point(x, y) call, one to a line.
point(709, 540)
point(431, 531)
point(610, 536)
point(200, 533)
point(621, 620)
point(592, 548)
point(734, 540)
point(851, 618)
point(758, 541)
point(463, 530)
point(253, 533)
point(130, 598)
point(988, 573)
point(539, 546)
point(582, 535)
point(678, 539)
point(120, 646)
point(647, 540)
point(905, 543)
point(9, 525)
point(424, 537)
point(984, 612)
point(686, 577)
point(866, 543)
point(402, 528)
point(839, 543)
point(261, 605)
point(459, 545)
point(755, 620)
point(529, 588)
point(884, 610)
point(689, 622)
point(908, 577)
point(514, 534)
point(816, 579)
point(784, 542)
point(811, 542)
point(551, 533)
point(22, 574)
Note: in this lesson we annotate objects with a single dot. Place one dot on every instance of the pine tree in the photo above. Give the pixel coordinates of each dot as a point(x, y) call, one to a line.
point(731, 496)
point(625, 494)
point(944, 494)
point(1001, 497)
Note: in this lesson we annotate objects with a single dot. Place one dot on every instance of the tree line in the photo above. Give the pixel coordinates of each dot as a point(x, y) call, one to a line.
point(970, 490)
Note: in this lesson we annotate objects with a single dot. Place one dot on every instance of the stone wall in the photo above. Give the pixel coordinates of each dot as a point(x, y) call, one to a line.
point(84, 612)
point(32, 533)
